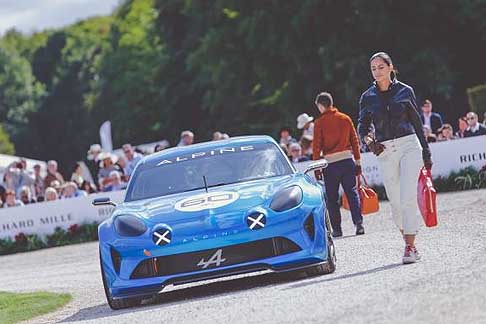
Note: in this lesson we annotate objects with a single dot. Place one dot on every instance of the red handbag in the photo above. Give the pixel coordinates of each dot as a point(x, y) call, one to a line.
point(368, 198)
point(427, 198)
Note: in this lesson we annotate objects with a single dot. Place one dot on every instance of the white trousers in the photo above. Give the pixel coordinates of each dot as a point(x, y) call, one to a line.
point(400, 165)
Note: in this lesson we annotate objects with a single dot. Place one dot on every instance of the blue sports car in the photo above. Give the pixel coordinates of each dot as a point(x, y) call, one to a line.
point(211, 210)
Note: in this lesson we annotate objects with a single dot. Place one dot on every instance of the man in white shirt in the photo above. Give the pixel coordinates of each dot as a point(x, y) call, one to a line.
point(187, 138)
point(429, 118)
point(475, 128)
point(132, 159)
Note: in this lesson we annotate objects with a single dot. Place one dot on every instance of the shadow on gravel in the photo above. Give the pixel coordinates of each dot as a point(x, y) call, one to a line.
point(202, 291)
point(351, 275)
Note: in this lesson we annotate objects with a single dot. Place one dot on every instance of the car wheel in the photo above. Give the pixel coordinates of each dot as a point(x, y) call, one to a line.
point(117, 303)
point(330, 265)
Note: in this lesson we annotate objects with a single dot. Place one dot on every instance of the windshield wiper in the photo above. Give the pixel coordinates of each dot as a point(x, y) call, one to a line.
point(221, 184)
point(205, 183)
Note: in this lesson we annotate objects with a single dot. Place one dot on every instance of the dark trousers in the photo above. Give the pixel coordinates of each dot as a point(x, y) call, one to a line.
point(342, 173)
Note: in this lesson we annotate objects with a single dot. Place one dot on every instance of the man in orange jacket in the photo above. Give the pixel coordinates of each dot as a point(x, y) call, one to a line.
point(335, 139)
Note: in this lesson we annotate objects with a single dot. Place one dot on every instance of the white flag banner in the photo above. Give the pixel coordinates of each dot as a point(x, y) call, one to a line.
point(105, 136)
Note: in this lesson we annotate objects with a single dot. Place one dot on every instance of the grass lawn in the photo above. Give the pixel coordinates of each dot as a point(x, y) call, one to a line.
point(19, 307)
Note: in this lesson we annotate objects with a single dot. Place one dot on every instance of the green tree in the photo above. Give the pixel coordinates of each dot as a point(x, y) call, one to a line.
point(61, 129)
point(129, 90)
point(6, 147)
point(24, 45)
point(19, 93)
point(157, 67)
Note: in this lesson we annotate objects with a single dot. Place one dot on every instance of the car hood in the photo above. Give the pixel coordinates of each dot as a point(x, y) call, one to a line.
point(197, 205)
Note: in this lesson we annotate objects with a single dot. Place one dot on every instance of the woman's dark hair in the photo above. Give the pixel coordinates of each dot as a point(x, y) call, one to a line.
point(91, 187)
point(385, 57)
point(76, 165)
point(3, 193)
point(285, 129)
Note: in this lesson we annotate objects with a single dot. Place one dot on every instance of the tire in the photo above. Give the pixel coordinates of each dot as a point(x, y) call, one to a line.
point(330, 265)
point(116, 304)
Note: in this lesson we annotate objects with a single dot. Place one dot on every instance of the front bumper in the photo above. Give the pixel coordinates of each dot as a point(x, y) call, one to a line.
point(307, 246)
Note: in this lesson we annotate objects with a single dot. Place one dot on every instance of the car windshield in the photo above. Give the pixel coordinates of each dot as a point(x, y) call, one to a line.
point(219, 166)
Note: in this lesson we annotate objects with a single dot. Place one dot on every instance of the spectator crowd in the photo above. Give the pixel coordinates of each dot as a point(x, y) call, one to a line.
point(112, 172)
point(435, 130)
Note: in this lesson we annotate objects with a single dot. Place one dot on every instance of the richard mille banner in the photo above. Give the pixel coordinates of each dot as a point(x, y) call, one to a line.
point(43, 218)
point(447, 157)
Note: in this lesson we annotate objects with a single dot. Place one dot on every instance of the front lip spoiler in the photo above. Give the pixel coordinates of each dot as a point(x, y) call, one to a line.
point(260, 267)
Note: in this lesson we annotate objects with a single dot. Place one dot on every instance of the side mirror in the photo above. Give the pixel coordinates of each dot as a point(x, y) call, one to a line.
point(320, 164)
point(104, 201)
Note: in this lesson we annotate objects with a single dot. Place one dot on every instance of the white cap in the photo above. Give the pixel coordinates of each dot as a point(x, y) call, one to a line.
point(303, 119)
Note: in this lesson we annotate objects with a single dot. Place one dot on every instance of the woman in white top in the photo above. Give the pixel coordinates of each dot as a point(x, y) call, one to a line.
point(77, 175)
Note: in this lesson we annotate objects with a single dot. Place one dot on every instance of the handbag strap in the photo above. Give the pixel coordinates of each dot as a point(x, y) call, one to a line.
point(364, 180)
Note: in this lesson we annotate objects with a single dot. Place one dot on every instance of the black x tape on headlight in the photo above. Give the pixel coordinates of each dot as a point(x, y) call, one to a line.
point(128, 225)
point(286, 199)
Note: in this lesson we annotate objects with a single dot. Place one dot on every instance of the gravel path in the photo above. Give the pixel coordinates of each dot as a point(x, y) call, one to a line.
point(369, 286)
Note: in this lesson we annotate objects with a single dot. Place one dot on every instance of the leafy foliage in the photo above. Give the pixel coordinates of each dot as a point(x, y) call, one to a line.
point(156, 67)
point(6, 146)
point(19, 93)
point(477, 99)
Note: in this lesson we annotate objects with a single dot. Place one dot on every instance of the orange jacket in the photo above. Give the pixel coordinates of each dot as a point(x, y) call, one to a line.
point(334, 132)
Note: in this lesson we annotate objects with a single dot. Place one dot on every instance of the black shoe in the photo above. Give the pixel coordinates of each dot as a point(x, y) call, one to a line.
point(359, 229)
point(337, 233)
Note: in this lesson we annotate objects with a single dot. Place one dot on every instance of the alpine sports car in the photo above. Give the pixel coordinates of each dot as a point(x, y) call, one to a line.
point(211, 210)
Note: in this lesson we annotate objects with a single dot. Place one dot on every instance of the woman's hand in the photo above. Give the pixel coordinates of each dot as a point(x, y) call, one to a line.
point(376, 147)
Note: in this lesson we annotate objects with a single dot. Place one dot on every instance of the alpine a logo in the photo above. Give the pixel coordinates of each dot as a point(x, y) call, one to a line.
point(206, 201)
point(216, 259)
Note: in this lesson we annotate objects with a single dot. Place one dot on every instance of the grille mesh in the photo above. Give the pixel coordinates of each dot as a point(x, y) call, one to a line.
point(233, 254)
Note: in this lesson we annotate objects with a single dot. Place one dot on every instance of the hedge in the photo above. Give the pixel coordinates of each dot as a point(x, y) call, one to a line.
point(30, 242)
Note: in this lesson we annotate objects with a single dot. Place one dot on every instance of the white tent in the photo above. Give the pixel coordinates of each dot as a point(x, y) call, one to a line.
point(6, 160)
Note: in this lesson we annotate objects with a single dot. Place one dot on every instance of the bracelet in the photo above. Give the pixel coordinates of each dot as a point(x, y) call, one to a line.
point(368, 140)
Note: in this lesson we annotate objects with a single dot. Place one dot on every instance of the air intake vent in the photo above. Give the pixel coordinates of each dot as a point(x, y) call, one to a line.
point(115, 257)
point(309, 226)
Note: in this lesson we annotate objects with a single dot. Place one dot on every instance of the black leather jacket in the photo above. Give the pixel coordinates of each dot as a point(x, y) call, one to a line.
point(390, 115)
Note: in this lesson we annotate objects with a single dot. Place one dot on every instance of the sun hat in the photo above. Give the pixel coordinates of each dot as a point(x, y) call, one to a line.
point(303, 119)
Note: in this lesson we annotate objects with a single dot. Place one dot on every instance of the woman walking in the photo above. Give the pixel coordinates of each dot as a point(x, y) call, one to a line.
point(389, 124)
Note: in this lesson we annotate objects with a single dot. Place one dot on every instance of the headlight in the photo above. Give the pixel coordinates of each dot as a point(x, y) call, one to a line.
point(127, 225)
point(286, 198)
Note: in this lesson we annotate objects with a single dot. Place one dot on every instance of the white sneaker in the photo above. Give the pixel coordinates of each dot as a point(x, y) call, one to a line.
point(411, 255)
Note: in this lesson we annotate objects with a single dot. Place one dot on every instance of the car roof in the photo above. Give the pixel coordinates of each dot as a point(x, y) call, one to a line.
point(206, 146)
